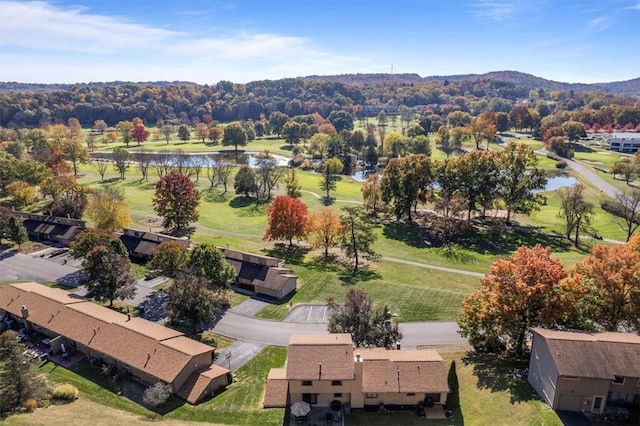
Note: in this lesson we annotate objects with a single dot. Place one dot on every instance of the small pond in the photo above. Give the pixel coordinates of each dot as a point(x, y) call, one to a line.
point(557, 182)
point(242, 158)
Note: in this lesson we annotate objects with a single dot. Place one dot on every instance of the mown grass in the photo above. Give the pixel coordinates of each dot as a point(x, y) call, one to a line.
point(240, 404)
point(484, 391)
point(415, 293)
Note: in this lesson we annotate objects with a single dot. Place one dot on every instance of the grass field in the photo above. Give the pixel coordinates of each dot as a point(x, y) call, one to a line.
point(226, 219)
point(484, 391)
point(99, 404)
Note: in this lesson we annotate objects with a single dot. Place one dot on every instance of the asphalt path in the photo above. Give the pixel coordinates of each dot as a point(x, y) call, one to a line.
point(22, 267)
point(277, 333)
point(602, 185)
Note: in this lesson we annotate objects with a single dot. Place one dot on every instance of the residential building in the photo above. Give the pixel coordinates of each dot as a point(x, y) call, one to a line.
point(582, 371)
point(140, 244)
point(261, 274)
point(51, 228)
point(146, 350)
point(323, 368)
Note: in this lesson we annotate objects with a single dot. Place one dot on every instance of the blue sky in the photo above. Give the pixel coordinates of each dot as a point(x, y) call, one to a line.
point(205, 41)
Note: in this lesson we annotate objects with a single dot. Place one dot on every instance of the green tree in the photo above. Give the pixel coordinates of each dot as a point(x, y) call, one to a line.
point(184, 133)
point(277, 121)
point(171, 258)
point(292, 132)
point(357, 236)
point(124, 129)
point(294, 189)
point(576, 212)
point(16, 232)
point(519, 178)
point(405, 182)
point(245, 181)
point(190, 299)
point(88, 240)
point(332, 167)
point(108, 273)
point(20, 379)
point(208, 261)
point(341, 120)
point(121, 158)
point(367, 325)
point(74, 152)
point(234, 134)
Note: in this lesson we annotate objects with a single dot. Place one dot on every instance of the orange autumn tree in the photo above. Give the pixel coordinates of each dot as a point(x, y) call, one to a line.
point(612, 277)
point(288, 219)
point(325, 230)
point(526, 290)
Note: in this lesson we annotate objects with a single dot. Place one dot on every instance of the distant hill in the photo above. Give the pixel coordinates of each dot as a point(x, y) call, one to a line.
point(12, 86)
point(528, 81)
point(629, 87)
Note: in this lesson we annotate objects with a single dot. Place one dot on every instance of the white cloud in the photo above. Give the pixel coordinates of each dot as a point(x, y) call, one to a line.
point(598, 24)
point(496, 10)
point(74, 45)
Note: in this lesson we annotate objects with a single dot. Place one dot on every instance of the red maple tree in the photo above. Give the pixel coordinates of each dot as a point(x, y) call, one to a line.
point(139, 133)
point(288, 219)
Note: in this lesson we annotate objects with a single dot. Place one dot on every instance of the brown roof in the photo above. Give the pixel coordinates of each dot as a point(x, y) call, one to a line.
point(320, 357)
point(381, 376)
point(370, 354)
point(402, 371)
point(139, 343)
point(194, 387)
point(593, 355)
point(275, 279)
point(276, 389)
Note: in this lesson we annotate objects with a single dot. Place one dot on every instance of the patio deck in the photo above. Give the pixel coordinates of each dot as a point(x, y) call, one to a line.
point(319, 417)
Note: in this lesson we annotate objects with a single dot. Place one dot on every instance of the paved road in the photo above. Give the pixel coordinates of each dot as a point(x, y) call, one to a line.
point(437, 268)
point(604, 186)
point(277, 333)
point(23, 267)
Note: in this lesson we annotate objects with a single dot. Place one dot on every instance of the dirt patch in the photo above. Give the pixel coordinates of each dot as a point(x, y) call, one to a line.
point(154, 222)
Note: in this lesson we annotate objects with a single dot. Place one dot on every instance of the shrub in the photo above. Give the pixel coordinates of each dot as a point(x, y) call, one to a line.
point(561, 164)
point(30, 405)
point(209, 338)
point(65, 392)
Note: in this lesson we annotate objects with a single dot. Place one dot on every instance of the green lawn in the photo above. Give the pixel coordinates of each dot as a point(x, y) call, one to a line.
point(424, 294)
point(484, 391)
point(239, 404)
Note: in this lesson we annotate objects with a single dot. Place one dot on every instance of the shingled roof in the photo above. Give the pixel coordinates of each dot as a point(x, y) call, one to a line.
point(320, 357)
point(593, 355)
point(276, 390)
point(402, 371)
point(142, 344)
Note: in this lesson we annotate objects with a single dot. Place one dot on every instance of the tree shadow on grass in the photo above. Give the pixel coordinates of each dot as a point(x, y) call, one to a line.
point(292, 254)
point(212, 196)
point(109, 181)
point(241, 201)
point(363, 275)
point(319, 263)
point(286, 147)
point(499, 374)
point(578, 147)
point(411, 234)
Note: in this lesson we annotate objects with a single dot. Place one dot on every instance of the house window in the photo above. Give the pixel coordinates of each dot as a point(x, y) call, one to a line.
point(307, 383)
point(371, 395)
point(618, 380)
point(337, 395)
point(336, 383)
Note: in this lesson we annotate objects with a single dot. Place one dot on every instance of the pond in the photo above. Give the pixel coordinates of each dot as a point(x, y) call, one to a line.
point(557, 182)
point(248, 158)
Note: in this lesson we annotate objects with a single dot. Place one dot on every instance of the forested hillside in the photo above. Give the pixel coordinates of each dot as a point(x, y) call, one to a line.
point(358, 94)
